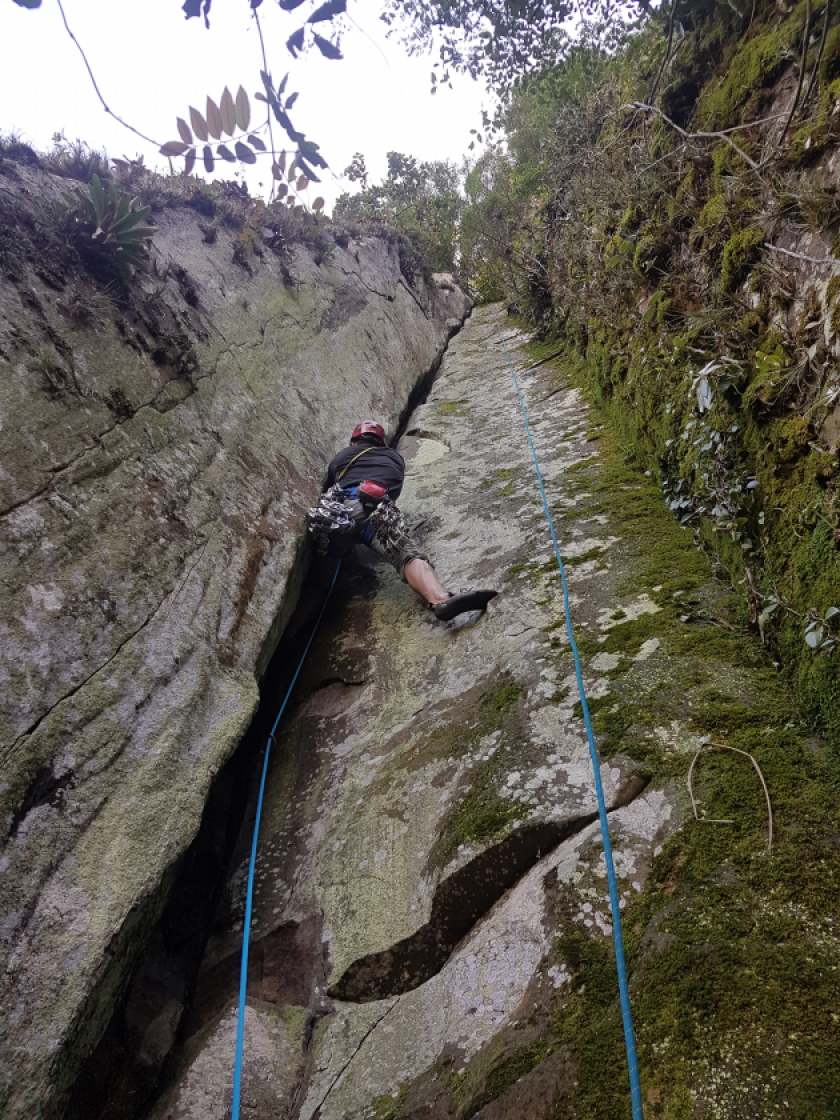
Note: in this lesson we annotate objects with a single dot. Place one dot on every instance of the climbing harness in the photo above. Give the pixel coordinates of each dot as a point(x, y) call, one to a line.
point(249, 897)
point(629, 1037)
point(354, 514)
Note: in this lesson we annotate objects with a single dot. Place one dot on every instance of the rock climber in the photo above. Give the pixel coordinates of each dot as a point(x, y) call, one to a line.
point(364, 481)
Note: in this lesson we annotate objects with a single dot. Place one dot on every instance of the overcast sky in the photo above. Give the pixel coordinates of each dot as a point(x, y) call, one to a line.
point(151, 64)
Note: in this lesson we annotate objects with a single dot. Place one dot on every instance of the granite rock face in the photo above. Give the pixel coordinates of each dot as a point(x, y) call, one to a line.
point(430, 821)
point(159, 454)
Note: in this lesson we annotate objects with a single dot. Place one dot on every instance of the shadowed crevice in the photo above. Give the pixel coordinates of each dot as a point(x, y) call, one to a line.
point(460, 901)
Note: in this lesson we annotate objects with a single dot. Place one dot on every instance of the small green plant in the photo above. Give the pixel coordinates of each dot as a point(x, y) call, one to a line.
point(818, 633)
point(117, 222)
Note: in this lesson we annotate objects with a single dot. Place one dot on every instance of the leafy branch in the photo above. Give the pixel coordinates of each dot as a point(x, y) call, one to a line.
point(225, 118)
point(295, 44)
point(308, 152)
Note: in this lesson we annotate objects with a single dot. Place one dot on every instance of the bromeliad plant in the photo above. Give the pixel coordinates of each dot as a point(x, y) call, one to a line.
point(112, 223)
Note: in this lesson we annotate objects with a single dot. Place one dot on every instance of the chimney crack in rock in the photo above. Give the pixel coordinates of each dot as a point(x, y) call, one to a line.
point(413, 295)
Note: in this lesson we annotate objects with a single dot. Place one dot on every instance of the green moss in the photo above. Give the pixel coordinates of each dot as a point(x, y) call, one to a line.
point(653, 252)
point(506, 697)
point(388, 1107)
point(631, 219)
point(753, 66)
point(506, 477)
point(509, 1071)
point(576, 561)
point(713, 214)
point(830, 60)
point(810, 140)
point(740, 252)
point(591, 1022)
point(481, 813)
point(789, 437)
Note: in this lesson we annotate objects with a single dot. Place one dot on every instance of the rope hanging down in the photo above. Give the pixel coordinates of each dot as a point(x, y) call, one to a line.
point(629, 1037)
point(249, 897)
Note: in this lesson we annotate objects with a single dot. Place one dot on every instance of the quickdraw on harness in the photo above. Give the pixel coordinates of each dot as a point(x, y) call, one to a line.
point(343, 516)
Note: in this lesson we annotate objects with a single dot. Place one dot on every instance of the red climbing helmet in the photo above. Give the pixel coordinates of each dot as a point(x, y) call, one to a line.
point(369, 428)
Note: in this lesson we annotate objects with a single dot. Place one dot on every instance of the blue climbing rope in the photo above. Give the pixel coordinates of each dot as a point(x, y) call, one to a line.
point(629, 1036)
point(249, 897)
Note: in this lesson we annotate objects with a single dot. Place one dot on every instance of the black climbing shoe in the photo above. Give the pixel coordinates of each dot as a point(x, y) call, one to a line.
point(466, 601)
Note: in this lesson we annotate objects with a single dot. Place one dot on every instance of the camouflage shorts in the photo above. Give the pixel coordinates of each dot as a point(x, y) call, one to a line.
point(386, 534)
point(384, 531)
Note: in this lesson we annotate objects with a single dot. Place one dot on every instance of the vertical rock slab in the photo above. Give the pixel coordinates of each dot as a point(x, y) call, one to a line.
point(158, 461)
point(431, 797)
point(432, 934)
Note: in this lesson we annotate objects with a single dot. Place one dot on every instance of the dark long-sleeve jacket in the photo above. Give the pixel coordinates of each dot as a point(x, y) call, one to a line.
point(379, 464)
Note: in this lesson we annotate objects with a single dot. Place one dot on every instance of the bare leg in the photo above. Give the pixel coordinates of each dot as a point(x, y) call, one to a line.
point(420, 575)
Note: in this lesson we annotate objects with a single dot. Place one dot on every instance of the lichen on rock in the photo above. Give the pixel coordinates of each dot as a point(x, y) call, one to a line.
point(159, 458)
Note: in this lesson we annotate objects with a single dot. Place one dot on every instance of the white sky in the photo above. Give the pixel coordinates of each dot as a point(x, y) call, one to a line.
point(151, 63)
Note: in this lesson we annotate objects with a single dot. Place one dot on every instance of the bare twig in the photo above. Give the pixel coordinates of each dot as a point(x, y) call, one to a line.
point(801, 256)
point(823, 38)
point(805, 36)
point(362, 31)
point(709, 820)
point(650, 166)
point(666, 57)
point(105, 105)
point(256, 16)
point(723, 134)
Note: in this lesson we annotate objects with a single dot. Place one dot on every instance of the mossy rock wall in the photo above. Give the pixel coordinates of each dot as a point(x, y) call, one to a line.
point(702, 314)
point(161, 444)
point(431, 902)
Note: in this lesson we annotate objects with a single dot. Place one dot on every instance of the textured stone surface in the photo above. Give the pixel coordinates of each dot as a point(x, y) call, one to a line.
point(158, 459)
point(429, 811)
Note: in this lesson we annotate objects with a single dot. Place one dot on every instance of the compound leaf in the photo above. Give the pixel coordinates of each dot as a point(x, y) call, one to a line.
point(327, 49)
point(246, 154)
point(199, 124)
point(228, 112)
point(243, 109)
point(214, 119)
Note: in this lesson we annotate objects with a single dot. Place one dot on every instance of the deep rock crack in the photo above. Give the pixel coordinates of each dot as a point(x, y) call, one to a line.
point(461, 901)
